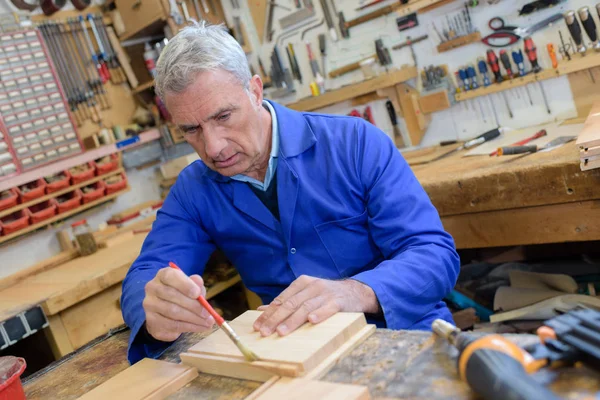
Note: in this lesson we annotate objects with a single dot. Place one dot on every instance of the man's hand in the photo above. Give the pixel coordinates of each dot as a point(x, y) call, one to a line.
point(314, 300)
point(172, 307)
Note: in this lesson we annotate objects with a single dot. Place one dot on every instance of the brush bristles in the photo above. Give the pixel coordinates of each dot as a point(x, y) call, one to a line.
point(249, 355)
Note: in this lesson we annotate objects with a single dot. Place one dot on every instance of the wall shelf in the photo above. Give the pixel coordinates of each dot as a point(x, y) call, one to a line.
point(459, 42)
point(62, 216)
point(59, 192)
point(358, 89)
point(82, 158)
point(578, 63)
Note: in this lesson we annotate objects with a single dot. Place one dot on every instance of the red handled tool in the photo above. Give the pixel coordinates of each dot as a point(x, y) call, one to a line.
point(523, 142)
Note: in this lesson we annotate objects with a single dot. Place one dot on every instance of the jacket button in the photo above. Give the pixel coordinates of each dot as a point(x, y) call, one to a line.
point(293, 250)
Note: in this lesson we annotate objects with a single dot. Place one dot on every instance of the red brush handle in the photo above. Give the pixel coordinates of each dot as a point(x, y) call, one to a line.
point(218, 319)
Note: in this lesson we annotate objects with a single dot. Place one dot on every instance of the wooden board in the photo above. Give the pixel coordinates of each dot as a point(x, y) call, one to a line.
point(294, 355)
point(303, 389)
point(416, 121)
point(590, 134)
point(148, 380)
point(357, 89)
point(569, 222)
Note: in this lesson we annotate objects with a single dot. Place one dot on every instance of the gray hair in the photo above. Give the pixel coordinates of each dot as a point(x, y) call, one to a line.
point(196, 48)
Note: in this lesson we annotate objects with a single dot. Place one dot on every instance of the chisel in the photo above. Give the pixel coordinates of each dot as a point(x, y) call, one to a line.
point(510, 150)
point(329, 21)
point(398, 140)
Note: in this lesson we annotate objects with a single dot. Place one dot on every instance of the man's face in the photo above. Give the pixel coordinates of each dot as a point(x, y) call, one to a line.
point(224, 124)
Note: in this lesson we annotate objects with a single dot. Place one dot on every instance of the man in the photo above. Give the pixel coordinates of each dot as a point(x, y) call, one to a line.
point(319, 214)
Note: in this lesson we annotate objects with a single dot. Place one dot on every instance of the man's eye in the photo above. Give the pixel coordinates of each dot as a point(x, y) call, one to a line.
point(188, 131)
point(224, 117)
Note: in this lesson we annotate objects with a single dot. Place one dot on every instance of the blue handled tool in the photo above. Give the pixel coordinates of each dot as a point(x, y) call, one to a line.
point(483, 70)
point(462, 72)
point(517, 56)
point(472, 75)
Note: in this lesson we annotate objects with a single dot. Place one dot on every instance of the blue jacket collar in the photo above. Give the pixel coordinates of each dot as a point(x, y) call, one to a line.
point(295, 136)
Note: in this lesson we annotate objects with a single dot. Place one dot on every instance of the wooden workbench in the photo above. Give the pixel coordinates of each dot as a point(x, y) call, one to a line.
point(393, 364)
point(514, 200)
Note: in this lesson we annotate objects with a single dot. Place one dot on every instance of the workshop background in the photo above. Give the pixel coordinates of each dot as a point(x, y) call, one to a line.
point(86, 161)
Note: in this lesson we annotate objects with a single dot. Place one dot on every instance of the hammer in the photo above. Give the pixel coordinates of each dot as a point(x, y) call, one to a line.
point(382, 54)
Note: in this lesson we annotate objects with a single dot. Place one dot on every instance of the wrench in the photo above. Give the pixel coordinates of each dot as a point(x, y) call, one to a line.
point(177, 18)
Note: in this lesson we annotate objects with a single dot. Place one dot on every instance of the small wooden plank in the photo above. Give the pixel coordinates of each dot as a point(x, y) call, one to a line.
point(569, 222)
point(122, 57)
point(147, 380)
point(436, 101)
point(355, 90)
point(58, 337)
point(416, 121)
point(293, 355)
point(302, 389)
point(590, 134)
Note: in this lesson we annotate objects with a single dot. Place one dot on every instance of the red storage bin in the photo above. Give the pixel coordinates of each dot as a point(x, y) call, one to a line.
point(117, 186)
point(37, 189)
point(95, 194)
point(59, 184)
point(14, 222)
point(68, 201)
point(42, 211)
point(11, 199)
point(105, 167)
point(78, 177)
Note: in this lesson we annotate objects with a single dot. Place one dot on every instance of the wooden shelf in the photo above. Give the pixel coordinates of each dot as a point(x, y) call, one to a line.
point(34, 174)
point(358, 89)
point(459, 42)
point(398, 9)
point(59, 192)
point(221, 286)
point(142, 87)
point(578, 63)
point(62, 216)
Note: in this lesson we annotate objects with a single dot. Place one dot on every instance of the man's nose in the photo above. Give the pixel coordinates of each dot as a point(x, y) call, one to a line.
point(214, 145)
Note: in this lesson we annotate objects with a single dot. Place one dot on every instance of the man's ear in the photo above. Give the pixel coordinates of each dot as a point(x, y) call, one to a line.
point(256, 89)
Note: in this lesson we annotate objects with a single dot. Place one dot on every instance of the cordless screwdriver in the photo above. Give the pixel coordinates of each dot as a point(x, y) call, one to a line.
point(494, 367)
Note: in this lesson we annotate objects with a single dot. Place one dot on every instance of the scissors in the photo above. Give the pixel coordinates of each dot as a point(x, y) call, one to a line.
point(505, 35)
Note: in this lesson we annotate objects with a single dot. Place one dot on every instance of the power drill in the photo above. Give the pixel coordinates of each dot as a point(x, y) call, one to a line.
point(494, 367)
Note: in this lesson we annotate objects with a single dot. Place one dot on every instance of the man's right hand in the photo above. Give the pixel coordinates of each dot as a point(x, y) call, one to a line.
point(172, 307)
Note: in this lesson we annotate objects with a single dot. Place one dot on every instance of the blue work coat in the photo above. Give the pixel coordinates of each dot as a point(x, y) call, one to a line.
point(349, 205)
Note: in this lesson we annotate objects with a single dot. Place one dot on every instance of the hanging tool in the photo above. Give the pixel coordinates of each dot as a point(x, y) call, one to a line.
point(248, 354)
point(235, 4)
point(523, 142)
point(269, 26)
point(94, 80)
point(296, 17)
point(493, 366)
point(589, 26)
point(530, 50)
point(197, 9)
point(293, 62)
point(517, 56)
point(521, 149)
point(314, 66)
point(205, 7)
point(563, 47)
point(101, 67)
point(472, 76)
point(506, 63)
point(552, 55)
point(398, 140)
point(493, 61)
point(504, 35)
point(329, 21)
point(102, 59)
point(409, 43)
point(382, 54)
point(186, 13)
point(117, 75)
point(237, 28)
point(174, 12)
point(483, 70)
point(367, 5)
point(323, 50)
point(575, 30)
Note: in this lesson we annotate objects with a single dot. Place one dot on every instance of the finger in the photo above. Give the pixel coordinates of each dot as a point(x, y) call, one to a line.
point(262, 308)
point(295, 287)
point(178, 280)
point(167, 329)
point(322, 313)
point(172, 295)
point(298, 318)
point(289, 307)
point(173, 311)
point(197, 279)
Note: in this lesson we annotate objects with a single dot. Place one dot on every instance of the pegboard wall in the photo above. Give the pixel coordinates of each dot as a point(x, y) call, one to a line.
point(463, 120)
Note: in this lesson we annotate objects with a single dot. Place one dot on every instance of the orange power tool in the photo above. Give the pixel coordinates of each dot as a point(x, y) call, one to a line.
point(498, 369)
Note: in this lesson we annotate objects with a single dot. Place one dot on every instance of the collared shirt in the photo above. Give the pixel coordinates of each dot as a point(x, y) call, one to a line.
point(272, 159)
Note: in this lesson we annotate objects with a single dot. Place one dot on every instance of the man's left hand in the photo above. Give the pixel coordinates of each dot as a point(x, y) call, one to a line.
point(314, 300)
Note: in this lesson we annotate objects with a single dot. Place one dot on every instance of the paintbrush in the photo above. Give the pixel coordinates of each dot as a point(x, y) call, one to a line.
point(248, 354)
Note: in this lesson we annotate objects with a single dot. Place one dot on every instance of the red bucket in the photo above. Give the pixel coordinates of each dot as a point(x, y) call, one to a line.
point(11, 369)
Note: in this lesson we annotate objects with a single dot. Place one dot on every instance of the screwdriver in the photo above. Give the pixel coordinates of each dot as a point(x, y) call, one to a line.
point(472, 75)
point(506, 63)
point(462, 72)
point(530, 50)
point(590, 26)
point(322, 49)
point(493, 61)
point(493, 366)
point(552, 55)
point(517, 56)
point(575, 30)
point(483, 70)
